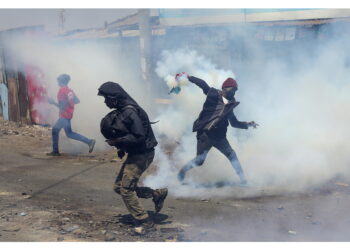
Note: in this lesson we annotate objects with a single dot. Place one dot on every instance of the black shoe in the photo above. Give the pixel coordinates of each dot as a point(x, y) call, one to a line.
point(92, 145)
point(158, 198)
point(181, 175)
point(53, 153)
point(144, 226)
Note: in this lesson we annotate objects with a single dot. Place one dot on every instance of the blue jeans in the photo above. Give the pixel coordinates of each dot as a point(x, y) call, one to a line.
point(66, 125)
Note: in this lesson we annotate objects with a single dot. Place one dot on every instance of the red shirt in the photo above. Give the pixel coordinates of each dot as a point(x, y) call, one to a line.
point(66, 95)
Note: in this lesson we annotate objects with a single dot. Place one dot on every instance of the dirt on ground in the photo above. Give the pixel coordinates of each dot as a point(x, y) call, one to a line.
point(70, 198)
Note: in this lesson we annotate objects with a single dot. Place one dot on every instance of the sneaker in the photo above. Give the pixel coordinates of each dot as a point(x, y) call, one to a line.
point(53, 153)
point(92, 145)
point(144, 226)
point(159, 197)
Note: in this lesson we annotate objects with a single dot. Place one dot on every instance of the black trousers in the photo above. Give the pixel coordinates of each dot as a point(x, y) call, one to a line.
point(204, 143)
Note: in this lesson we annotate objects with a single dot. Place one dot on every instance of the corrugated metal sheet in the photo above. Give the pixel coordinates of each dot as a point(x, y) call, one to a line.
point(14, 112)
point(160, 19)
point(123, 22)
point(4, 101)
point(296, 14)
point(304, 22)
point(130, 20)
point(100, 34)
point(23, 98)
point(89, 34)
point(183, 17)
point(18, 108)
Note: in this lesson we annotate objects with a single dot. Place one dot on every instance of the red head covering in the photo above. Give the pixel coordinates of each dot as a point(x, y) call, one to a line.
point(230, 82)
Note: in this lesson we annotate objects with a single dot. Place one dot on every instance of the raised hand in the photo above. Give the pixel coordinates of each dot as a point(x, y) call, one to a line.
point(252, 124)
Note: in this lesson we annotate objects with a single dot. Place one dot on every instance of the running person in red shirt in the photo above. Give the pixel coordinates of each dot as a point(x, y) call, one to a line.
point(66, 101)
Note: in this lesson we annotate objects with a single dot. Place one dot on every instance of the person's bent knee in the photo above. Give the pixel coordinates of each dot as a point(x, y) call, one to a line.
point(69, 134)
point(126, 191)
point(232, 156)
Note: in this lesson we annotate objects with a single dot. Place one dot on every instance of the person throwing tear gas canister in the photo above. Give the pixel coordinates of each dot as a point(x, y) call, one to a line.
point(211, 125)
point(128, 129)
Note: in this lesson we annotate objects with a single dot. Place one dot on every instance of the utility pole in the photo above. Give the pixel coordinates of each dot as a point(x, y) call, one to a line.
point(145, 45)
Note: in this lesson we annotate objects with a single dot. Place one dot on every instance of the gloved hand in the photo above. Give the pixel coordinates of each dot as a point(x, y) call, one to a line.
point(121, 153)
point(252, 124)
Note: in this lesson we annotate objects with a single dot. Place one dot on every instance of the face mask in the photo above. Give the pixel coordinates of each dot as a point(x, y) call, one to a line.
point(229, 93)
point(111, 102)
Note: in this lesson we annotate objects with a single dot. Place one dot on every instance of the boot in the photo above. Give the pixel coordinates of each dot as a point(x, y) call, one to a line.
point(158, 198)
point(144, 226)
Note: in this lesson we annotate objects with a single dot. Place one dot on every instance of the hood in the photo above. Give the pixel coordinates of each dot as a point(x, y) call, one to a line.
point(114, 90)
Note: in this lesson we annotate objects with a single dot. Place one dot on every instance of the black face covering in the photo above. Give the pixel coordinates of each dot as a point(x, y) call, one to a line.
point(229, 92)
point(111, 102)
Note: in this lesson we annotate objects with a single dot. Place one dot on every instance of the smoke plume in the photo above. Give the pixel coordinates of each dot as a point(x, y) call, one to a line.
point(298, 95)
point(299, 99)
point(89, 64)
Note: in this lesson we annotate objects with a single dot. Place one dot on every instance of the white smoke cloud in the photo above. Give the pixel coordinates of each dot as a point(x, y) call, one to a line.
point(89, 64)
point(303, 112)
point(302, 109)
point(174, 120)
point(177, 119)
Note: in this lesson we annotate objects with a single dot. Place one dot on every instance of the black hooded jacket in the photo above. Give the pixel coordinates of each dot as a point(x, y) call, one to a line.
point(137, 135)
point(215, 115)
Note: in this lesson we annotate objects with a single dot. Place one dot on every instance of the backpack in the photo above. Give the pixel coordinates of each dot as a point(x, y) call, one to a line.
point(112, 127)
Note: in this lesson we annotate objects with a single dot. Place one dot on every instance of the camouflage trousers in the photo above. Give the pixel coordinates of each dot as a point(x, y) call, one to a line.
point(126, 183)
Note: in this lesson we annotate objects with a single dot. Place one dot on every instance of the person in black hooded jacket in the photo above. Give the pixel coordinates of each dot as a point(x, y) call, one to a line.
point(211, 125)
point(131, 132)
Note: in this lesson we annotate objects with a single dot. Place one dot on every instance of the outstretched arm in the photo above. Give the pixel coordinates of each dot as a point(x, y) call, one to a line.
point(200, 83)
point(237, 124)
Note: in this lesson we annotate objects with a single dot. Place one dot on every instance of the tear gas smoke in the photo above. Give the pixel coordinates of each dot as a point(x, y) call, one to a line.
point(302, 108)
point(89, 64)
point(299, 98)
